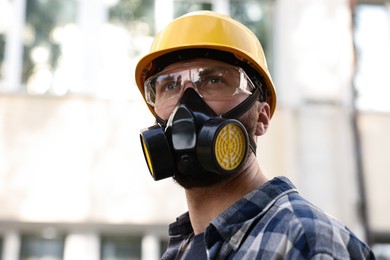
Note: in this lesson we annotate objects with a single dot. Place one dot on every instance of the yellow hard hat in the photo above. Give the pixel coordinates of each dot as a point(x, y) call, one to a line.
point(207, 30)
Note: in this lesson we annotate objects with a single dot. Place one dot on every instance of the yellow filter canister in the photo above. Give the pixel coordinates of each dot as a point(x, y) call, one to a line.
point(222, 145)
point(230, 146)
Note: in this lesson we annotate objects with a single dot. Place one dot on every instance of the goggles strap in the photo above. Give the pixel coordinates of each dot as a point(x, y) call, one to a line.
point(252, 144)
point(245, 105)
point(241, 109)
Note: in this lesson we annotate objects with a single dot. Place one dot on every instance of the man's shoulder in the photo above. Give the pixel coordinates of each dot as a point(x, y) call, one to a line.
point(293, 212)
point(297, 226)
point(299, 210)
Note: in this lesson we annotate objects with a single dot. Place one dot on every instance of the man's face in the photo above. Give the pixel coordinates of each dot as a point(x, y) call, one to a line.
point(221, 86)
point(207, 179)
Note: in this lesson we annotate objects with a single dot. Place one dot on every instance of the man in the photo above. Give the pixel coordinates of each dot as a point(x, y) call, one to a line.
point(206, 81)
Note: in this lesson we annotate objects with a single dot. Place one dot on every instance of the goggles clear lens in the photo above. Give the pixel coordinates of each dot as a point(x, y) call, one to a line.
point(211, 83)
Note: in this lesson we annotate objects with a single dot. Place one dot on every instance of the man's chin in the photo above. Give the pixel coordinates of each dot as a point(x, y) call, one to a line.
point(201, 180)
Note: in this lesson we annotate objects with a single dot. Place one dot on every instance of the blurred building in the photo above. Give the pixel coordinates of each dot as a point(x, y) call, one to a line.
point(73, 181)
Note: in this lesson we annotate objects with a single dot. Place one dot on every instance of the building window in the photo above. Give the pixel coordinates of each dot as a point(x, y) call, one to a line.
point(257, 16)
point(82, 47)
point(132, 14)
point(2, 50)
point(91, 47)
point(181, 7)
point(120, 248)
point(373, 55)
point(45, 43)
point(372, 81)
point(125, 36)
point(5, 25)
point(35, 247)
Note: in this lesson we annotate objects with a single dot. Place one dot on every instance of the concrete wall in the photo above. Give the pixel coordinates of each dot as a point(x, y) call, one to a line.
point(78, 159)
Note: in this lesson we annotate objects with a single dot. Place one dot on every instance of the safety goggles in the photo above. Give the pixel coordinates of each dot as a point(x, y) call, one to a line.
point(211, 82)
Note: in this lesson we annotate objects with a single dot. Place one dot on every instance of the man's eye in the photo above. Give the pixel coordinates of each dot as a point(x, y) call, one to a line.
point(171, 86)
point(215, 80)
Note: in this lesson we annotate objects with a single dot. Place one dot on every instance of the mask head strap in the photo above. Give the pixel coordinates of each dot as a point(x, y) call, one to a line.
point(244, 106)
point(240, 109)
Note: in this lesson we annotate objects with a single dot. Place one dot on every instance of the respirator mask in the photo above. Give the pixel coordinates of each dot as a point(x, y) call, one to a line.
point(194, 137)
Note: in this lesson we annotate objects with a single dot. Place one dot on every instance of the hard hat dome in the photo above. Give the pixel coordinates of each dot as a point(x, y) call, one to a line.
point(207, 30)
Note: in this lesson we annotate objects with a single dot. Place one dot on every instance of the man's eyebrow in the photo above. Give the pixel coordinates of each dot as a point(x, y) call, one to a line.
point(166, 78)
point(207, 71)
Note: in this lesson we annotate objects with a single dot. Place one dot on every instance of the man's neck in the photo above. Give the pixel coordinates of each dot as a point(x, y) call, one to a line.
point(204, 204)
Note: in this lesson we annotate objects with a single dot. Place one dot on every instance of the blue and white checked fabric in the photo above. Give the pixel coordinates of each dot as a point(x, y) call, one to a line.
point(271, 222)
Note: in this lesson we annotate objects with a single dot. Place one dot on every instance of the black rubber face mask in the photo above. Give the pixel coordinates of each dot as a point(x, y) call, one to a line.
point(195, 138)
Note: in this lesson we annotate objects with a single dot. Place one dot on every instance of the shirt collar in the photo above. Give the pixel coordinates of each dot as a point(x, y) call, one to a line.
point(233, 223)
point(181, 227)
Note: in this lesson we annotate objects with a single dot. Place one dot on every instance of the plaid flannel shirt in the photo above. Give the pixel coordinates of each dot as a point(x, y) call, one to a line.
point(271, 222)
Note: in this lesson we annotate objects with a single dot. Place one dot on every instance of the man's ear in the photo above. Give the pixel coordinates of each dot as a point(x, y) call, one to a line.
point(263, 118)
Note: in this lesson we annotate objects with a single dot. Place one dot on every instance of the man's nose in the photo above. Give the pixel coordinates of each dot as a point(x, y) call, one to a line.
point(188, 84)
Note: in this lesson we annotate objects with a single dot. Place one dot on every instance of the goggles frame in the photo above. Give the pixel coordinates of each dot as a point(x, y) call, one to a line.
point(209, 81)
